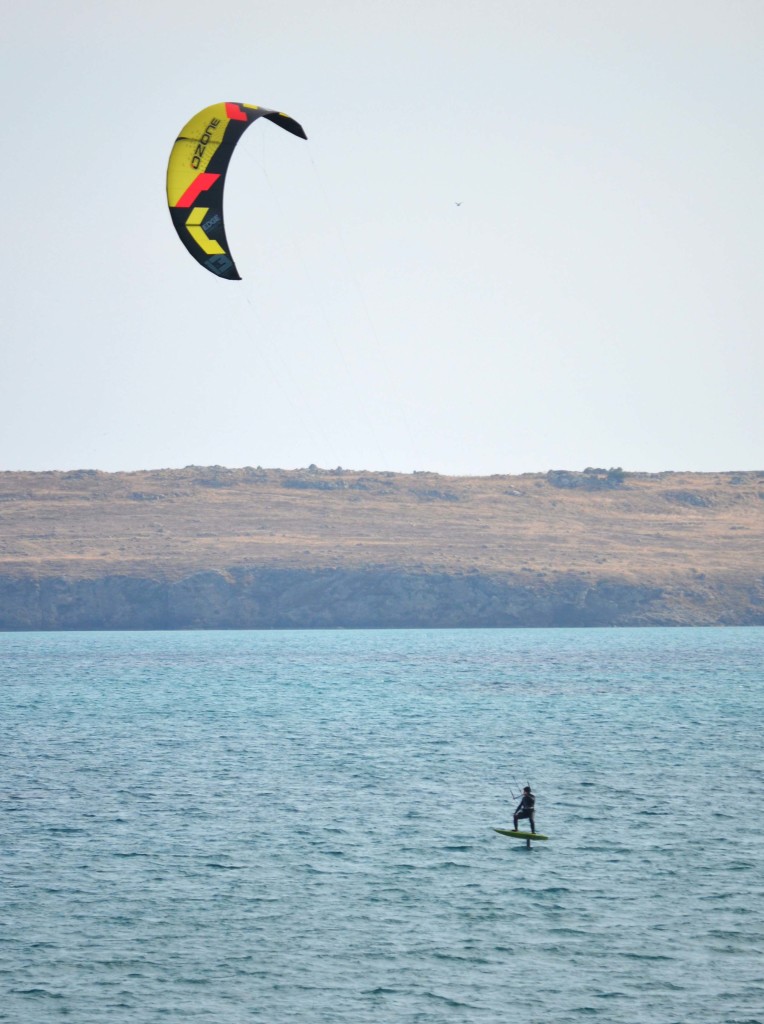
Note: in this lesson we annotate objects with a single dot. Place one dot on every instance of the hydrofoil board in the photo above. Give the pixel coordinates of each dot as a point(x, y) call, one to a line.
point(521, 835)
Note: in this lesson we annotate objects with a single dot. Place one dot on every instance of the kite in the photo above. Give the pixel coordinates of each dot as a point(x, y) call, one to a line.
point(196, 177)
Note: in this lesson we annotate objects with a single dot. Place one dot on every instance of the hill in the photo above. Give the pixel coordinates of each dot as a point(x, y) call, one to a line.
point(209, 547)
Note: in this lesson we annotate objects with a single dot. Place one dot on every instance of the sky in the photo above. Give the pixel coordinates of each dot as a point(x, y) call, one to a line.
point(595, 299)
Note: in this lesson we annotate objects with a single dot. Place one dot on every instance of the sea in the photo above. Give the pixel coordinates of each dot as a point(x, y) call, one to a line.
point(298, 827)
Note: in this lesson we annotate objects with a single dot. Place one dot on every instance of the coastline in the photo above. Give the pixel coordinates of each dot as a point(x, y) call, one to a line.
point(212, 548)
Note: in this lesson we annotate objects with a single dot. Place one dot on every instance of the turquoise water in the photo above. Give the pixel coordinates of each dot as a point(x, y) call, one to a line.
point(296, 827)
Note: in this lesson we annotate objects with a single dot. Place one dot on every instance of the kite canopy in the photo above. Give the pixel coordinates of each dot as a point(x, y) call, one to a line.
point(196, 177)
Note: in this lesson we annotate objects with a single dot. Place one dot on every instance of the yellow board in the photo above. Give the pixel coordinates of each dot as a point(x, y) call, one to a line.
point(521, 835)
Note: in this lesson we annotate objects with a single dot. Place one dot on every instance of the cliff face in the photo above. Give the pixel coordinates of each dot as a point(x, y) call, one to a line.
point(243, 549)
point(291, 598)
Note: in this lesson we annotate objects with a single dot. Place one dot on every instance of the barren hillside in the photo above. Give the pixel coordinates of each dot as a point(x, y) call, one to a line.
point(243, 548)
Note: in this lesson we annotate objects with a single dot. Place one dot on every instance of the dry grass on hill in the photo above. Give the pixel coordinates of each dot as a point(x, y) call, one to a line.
point(171, 522)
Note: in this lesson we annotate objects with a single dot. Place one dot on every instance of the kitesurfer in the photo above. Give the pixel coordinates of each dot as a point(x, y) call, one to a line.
point(526, 808)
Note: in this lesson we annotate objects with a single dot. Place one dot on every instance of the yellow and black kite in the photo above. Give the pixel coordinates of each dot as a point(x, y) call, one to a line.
point(196, 178)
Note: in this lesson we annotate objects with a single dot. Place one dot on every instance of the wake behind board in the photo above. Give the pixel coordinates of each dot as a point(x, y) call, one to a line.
point(527, 836)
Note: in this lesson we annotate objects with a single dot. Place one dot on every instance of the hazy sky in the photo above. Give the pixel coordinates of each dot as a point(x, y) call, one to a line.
point(595, 300)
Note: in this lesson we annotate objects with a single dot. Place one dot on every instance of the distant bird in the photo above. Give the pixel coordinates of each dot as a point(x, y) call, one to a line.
point(457, 204)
